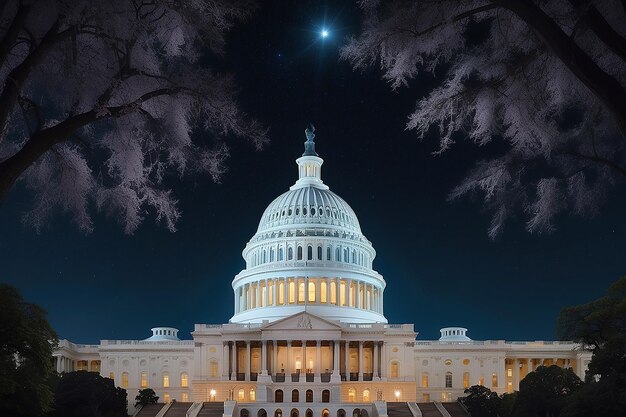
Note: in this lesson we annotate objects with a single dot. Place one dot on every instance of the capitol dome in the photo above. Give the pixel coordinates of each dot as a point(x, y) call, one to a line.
point(309, 253)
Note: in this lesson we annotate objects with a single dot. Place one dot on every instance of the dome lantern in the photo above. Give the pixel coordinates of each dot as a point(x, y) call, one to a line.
point(309, 164)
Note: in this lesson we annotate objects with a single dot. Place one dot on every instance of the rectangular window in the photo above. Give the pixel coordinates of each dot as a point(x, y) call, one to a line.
point(292, 292)
point(311, 291)
point(509, 387)
point(481, 381)
point(333, 292)
point(144, 379)
point(185, 397)
point(466, 380)
point(184, 377)
point(166, 397)
point(494, 380)
point(281, 293)
point(301, 292)
point(509, 372)
point(352, 294)
point(270, 294)
point(448, 380)
point(166, 380)
point(342, 294)
point(124, 379)
point(424, 380)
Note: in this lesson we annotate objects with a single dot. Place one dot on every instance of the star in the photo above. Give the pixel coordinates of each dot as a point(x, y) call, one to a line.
point(324, 33)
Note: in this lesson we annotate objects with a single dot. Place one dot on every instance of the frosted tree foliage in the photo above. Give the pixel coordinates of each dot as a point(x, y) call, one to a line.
point(547, 78)
point(100, 98)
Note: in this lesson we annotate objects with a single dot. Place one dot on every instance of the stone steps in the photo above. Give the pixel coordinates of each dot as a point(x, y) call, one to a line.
point(398, 410)
point(455, 409)
point(150, 410)
point(178, 410)
point(212, 409)
point(429, 410)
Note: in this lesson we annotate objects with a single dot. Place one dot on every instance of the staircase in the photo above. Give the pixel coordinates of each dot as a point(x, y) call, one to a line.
point(212, 409)
point(455, 409)
point(398, 410)
point(178, 410)
point(429, 410)
point(150, 410)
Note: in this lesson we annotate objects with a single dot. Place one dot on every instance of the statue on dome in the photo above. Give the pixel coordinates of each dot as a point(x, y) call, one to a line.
point(309, 132)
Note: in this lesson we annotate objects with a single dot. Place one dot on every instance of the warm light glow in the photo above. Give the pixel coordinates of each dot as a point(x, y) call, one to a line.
point(213, 393)
point(298, 363)
point(397, 394)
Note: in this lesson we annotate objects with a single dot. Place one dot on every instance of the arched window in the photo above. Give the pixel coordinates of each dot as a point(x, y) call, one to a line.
point(281, 292)
point(301, 292)
point(351, 395)
point(311, 292)
point(292, 292)
point(279, 412)
point(338, 255)
point(264, 256)
point(241, 395)
point(295, 396)
point(356, 413)
point(309, 396)
point(309, 413)
point(366, 395)
point(252, 394)
point(323, 292)
point(299, 253)
point(278, 396)
point(319, 253)
point(166, 380)
point(280, 254)
point(395, 369)
point(466, 380)
point(345, 255)
point(325, 413)
point(333, 292)
point(353, 256)
point(261, 413)
point(290, 254)
point(309, 253)
point(448, 379)
point(144, 379)
point(244, 413)
point(271, 254)
point(294, 411)
point(424, 379)
point(341, 413)
point(328, 252)
point(184, 379)
point(213, 368)
point(326, 396)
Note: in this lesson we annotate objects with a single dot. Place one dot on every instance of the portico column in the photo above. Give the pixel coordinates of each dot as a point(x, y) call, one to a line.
point(289, 357)
point(516, 374)
point(286, 292)
point(383, 357)
point(303, 364)
point(376, 362)
point(274, 366)
point(265, 295)
point(338, 291)
point(318, 366)
point(247, 377)
point(347, 360)
point(57, 362)
point(225, 360)
point(336, 357)
point(264, 355)
point(360, 360)
point(275, 289)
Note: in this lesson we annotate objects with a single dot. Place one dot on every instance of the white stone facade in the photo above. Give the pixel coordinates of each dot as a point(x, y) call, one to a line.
point(308, 331)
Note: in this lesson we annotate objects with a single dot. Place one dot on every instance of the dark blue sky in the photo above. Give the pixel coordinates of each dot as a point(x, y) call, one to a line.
point(440, 267)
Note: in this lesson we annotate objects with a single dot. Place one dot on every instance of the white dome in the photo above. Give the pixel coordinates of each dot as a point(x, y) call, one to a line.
point(309, 254)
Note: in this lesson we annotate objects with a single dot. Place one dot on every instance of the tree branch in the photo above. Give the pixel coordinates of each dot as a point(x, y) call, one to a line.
point(8, 40)
point(598, 159)
point(592, 17)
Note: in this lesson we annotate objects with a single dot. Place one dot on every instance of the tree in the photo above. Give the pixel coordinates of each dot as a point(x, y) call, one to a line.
point(481, 401)
point(99, 101)
point(26, 364)
point(544, 80)
point(146, 396)
point(545, 391)
point(87, 394)
point(600, 326)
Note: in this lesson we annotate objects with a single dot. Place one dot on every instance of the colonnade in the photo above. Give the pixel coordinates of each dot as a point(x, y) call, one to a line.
point(517, 368)
point(317, 360)
point(343, 292)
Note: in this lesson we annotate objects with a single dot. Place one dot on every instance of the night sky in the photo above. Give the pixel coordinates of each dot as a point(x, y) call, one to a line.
point(441, 268)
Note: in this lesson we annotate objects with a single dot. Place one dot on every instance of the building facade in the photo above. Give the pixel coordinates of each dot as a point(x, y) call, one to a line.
point(308, 334)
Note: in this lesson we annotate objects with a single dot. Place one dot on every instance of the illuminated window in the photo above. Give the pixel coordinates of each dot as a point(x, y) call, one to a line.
point(301, 292)
point(425, 398)
point(352, 294)
point(112, 375)
point(184, 378)
point(241, 394)
point(323, 292)
point(124, 379)
point(466, 361)
point(481, 381)
point(213, 367)
point(366, 395)
point(509, 387)
point(448, 379)
point(166, 380)
point(82, 365)
point(466, 380)
point(509, 372)
point(166, 397)
point(425, 380)
point(185, 397)
point(395, 369)
point(252, 394)
point(292, 292)
point(333, 292)
point(281, 292)
point(144, 379)
point(494, 380)
point(351, 395)
point(311, 292)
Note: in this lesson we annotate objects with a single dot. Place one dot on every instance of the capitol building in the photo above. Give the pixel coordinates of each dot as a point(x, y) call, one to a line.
point(308, 337)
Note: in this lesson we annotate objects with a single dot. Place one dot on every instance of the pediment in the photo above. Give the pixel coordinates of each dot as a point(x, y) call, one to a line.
point(302, 321)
